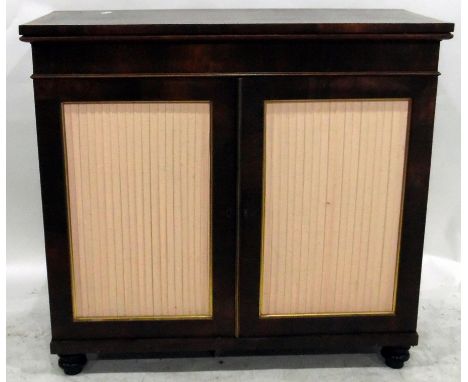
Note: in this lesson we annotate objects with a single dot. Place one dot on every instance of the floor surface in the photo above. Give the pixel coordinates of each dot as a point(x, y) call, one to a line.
point(437, 358)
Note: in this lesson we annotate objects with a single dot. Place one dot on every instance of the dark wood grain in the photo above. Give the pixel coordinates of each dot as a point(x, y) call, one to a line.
point(341, 343)
point(232, 21)
point(273, 57)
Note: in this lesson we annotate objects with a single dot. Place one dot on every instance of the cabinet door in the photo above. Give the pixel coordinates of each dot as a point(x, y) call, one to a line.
point(334, 179)
point(138, 179)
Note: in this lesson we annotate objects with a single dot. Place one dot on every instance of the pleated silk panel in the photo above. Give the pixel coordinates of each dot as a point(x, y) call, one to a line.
point(138, 176)
point(333, 180)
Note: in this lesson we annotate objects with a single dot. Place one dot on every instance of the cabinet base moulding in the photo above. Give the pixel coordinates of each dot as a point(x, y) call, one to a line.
point(342, 343)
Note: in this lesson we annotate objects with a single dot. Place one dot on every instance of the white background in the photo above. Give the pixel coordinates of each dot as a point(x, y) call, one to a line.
point(25, 245)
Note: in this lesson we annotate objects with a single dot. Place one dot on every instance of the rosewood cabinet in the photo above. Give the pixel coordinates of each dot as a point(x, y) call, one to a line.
point(237, 181)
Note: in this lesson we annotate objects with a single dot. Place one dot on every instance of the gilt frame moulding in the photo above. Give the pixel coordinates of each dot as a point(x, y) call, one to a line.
point(401, 203)
point(73, 267)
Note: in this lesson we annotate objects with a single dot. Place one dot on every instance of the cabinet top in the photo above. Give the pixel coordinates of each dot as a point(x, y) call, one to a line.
point(235, 23)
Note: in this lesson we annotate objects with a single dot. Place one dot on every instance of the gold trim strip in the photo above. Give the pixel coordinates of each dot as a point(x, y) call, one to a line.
point(397, 267)
point(143, 318)
point(336, 99)
point(210, 266)
point(402, 207)
point(70, 243)
point(122, 102)
point(331, 314)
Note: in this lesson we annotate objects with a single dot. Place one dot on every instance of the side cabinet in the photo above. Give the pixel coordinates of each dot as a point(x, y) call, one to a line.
point(234, 181)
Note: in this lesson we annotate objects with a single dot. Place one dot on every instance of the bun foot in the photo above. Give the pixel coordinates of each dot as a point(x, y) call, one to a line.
point(72, 364)
point(395, 357)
